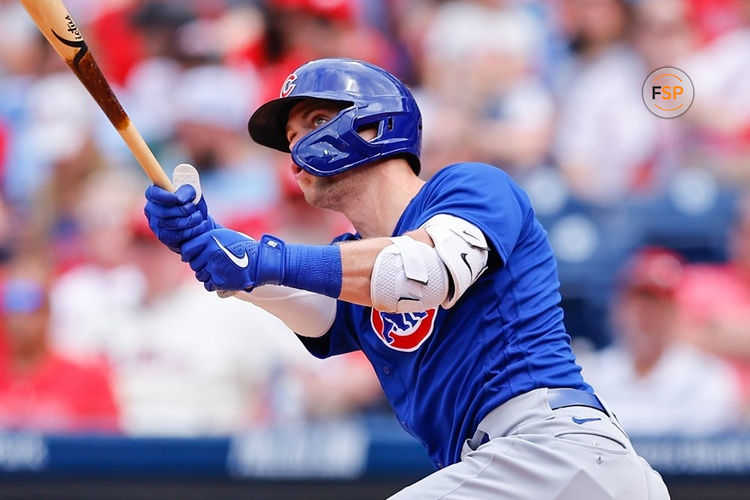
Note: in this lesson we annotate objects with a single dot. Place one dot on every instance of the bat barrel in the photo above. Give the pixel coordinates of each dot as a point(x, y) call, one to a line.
point(58, 27)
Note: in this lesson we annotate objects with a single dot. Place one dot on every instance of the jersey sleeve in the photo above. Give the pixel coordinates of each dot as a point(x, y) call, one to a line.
point(484, 196)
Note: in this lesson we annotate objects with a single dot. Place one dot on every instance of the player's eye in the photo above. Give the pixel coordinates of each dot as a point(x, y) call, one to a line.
point(319, 120)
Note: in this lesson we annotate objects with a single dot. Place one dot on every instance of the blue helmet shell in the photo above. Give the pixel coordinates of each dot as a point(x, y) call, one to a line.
point(375, 97)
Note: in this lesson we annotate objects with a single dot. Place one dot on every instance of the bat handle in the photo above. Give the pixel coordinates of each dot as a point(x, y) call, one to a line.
point(145, 156)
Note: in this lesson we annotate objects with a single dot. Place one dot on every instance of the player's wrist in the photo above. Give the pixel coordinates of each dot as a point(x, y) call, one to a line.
point(315, 268)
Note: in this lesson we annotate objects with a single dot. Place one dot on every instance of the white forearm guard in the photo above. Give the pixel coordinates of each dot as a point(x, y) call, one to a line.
point(305, 313)
point(463, 249)
point(408, 276)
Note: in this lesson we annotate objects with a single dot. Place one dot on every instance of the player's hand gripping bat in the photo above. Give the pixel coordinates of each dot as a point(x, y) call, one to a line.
point(58, 27)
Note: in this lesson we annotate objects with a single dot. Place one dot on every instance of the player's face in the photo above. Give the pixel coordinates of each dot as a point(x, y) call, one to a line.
point(322, 192)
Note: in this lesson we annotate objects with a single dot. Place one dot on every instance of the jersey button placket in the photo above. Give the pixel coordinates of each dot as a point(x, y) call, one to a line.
point(387, 370)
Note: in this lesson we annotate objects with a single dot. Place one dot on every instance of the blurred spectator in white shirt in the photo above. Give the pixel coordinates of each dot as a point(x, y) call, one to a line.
point(132, 304)
point(103, 280)
point(605, 134)
point(492, 95)
point(185, 361)
point(239, 179)
point(152, 79)
point(655, 384)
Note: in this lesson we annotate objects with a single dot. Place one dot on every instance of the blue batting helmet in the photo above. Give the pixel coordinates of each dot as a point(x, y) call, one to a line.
point(375, 98)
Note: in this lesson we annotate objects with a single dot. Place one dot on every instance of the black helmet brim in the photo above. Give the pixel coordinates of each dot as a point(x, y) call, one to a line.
point(267, 125)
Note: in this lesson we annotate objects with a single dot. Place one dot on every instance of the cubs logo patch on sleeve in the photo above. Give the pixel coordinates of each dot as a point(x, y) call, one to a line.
point(403, 331)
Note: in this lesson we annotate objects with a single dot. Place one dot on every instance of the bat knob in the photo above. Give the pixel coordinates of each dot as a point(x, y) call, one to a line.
point(187, 174)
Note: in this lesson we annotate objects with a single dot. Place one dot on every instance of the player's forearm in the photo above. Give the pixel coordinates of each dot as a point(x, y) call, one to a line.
point(357, 260)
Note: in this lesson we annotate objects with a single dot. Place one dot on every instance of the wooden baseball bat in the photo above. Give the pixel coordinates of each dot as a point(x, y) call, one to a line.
point(58, 27)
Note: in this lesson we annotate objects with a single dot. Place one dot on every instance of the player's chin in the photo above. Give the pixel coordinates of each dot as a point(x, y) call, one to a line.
point(309, 192)
point(314, 195)
point(305, 185)
point(304, 182)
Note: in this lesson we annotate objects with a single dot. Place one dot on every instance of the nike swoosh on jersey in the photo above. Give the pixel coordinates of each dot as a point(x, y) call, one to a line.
point(238, 261)
point(580, 421)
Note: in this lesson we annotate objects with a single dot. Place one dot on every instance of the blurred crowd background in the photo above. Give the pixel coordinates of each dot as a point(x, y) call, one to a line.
point(105, 330)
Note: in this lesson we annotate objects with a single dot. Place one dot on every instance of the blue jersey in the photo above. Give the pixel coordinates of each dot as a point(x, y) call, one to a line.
point(444, 370)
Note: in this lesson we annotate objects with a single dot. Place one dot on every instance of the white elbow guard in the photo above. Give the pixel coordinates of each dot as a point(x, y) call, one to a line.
point(408, 276)
point(463, 249)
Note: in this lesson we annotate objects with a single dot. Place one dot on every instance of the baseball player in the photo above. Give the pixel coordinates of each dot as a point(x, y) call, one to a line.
point(449, 287)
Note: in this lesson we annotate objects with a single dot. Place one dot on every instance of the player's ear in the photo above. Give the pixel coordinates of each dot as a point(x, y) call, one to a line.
point(368, 132)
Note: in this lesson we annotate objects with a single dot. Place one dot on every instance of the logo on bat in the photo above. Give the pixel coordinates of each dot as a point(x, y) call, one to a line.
point(72, 28)
point(79, 44)
point(288, 85)
point(403, 331)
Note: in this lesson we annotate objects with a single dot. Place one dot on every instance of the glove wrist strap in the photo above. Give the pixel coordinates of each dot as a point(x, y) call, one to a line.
point(307, 267)
point(270, 261)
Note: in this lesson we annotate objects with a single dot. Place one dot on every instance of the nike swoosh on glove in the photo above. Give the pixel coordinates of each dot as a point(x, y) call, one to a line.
point(174, 218)
point(223, 259)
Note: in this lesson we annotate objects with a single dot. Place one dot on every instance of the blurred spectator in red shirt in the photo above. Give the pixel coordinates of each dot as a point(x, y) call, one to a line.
point(39, 388)
point(712, 18)
point(657, 383)
point(116, 43)
point(716, 300)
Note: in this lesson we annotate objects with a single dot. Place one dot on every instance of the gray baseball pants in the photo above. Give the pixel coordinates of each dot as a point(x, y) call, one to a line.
point(536, 453)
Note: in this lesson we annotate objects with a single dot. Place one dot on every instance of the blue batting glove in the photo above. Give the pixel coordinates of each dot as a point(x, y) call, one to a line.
point(227, 260)
point(174, 218)
point(223, 259)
